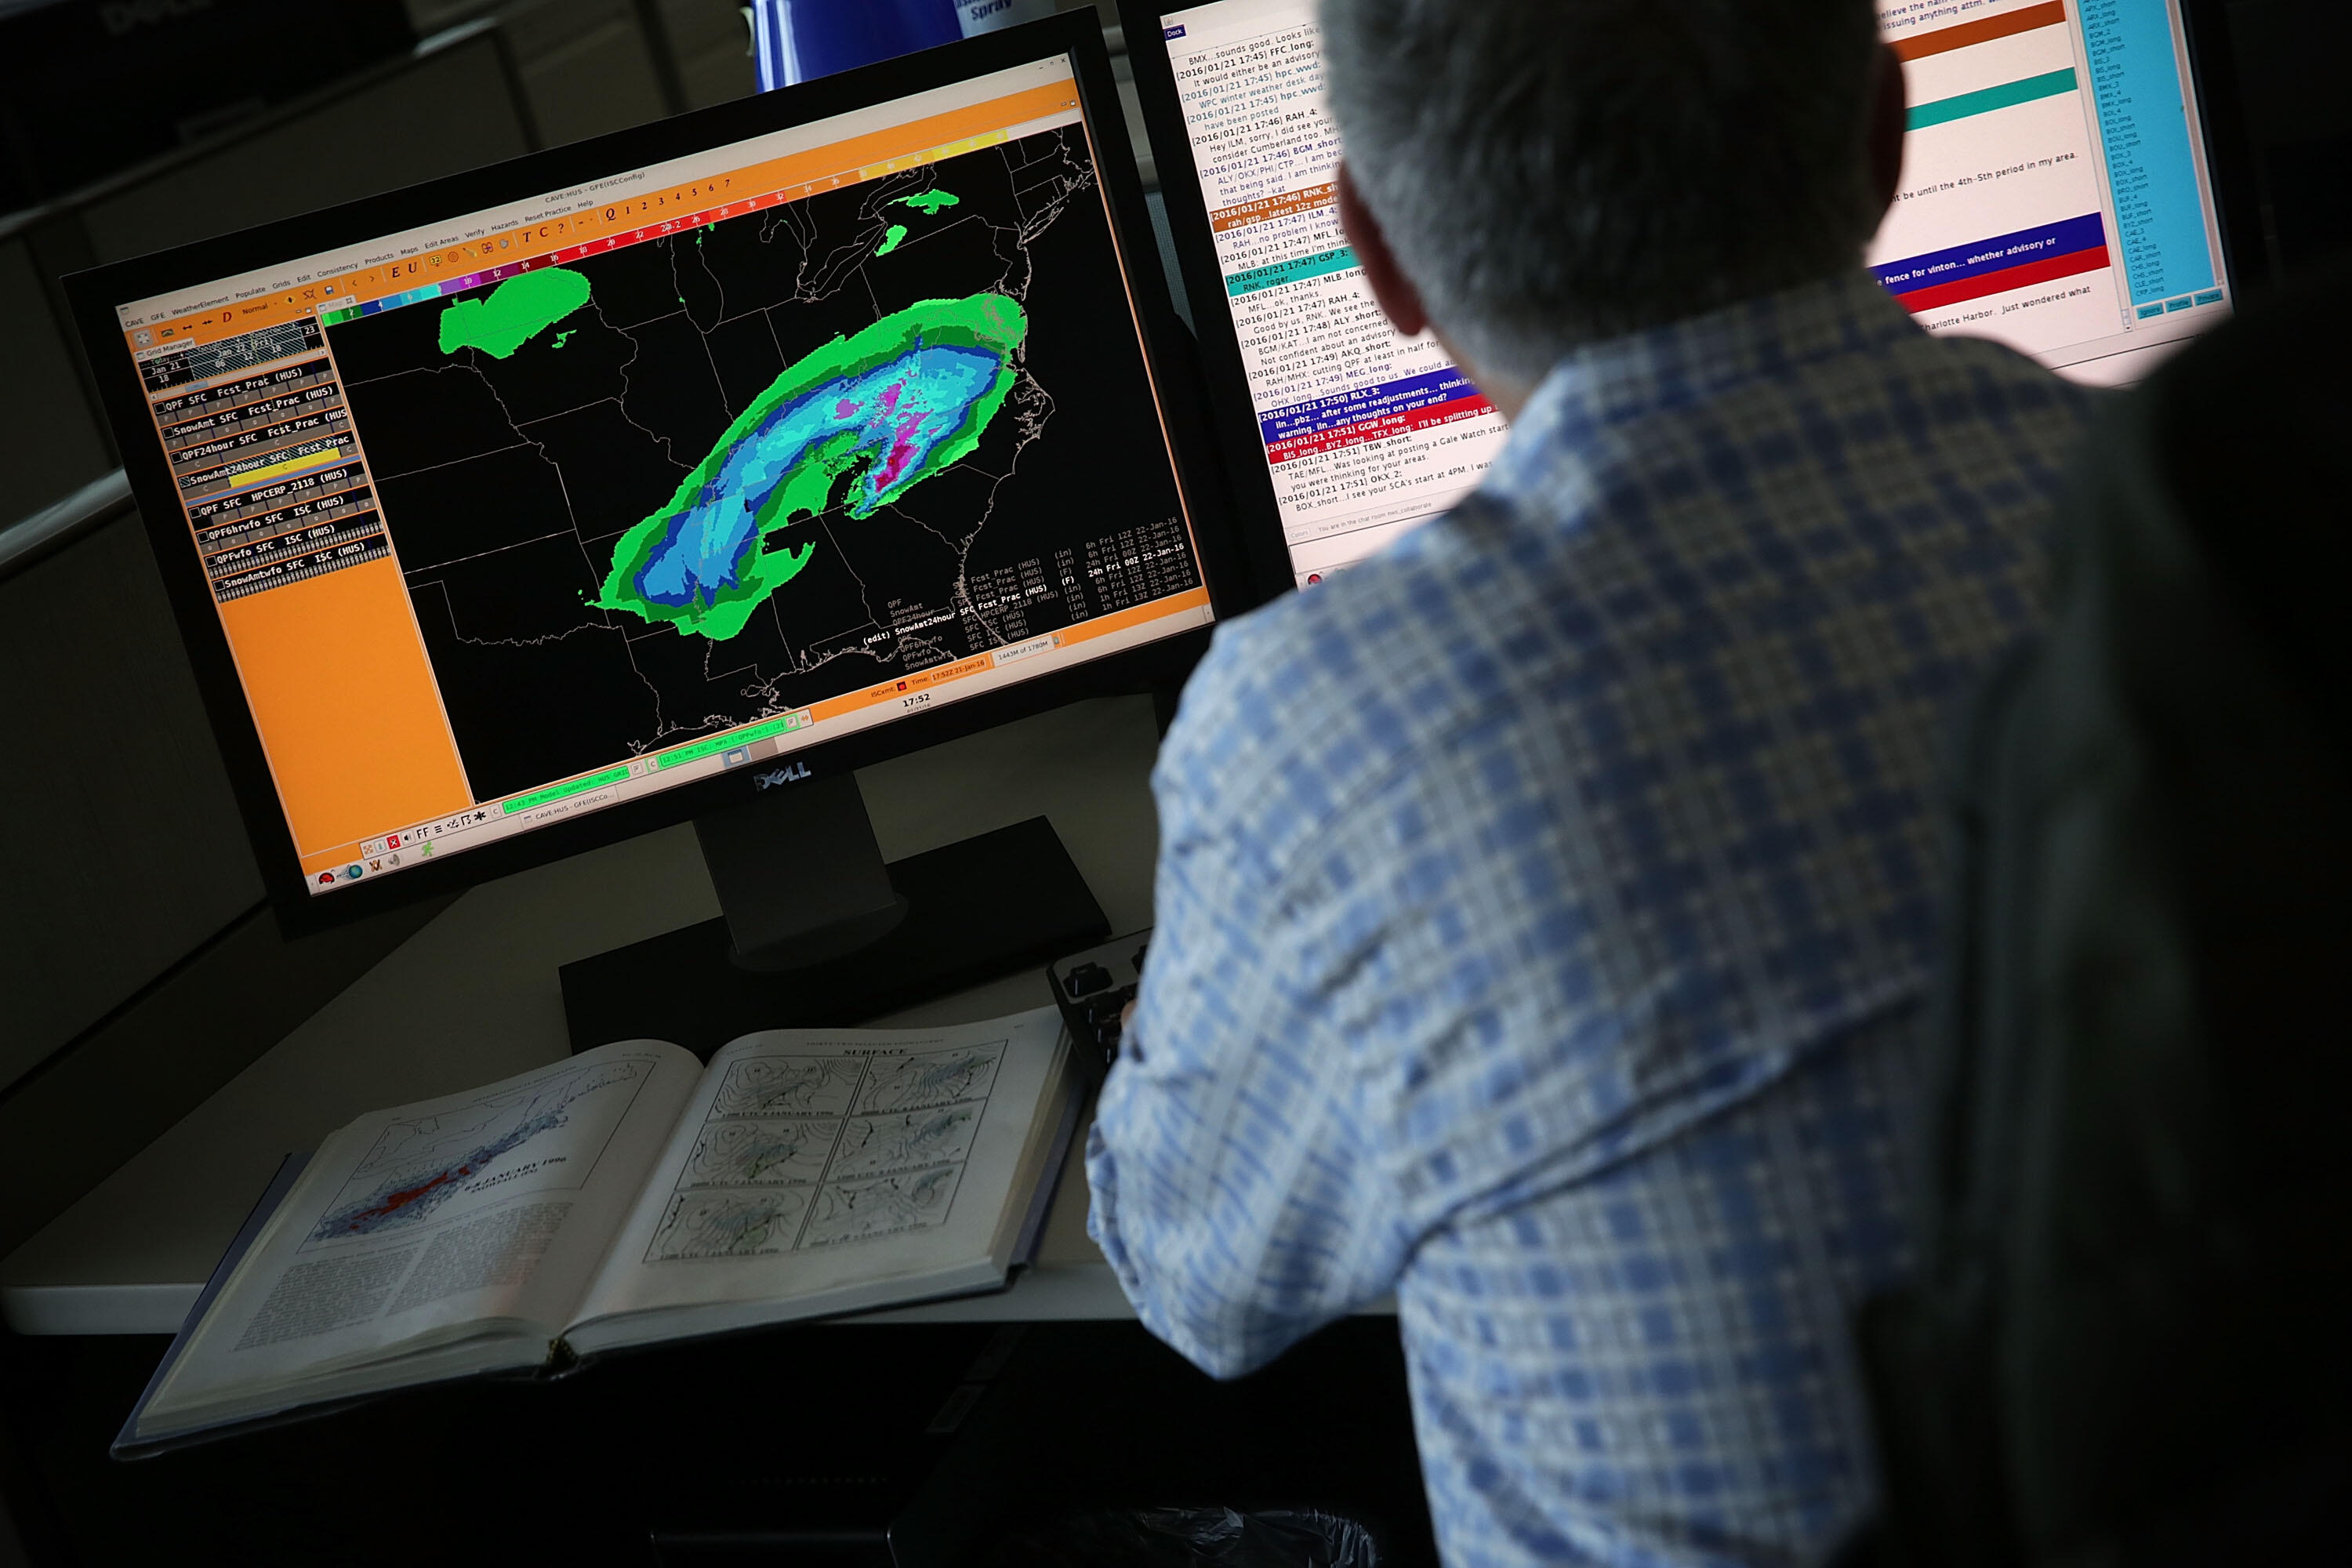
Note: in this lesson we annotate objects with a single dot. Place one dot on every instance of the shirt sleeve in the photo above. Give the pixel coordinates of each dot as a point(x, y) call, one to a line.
point(1238, 1191)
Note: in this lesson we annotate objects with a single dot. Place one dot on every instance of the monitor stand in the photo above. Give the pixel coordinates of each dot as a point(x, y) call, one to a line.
point(818, 932)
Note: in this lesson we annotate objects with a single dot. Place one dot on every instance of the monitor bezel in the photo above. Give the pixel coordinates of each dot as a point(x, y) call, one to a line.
point(95, 295)
point(2247, 264)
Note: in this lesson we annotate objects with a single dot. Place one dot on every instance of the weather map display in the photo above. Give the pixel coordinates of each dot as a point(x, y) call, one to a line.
point(674, 473)
point(799, 1151)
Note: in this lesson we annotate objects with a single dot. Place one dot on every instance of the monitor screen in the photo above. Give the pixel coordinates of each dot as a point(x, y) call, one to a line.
point(547, 507)
point(2055, 197)
point(1365, 434)
point(2055, 190)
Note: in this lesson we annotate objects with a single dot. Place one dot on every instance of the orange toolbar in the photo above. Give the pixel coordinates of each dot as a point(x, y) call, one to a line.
point(942, 674)
point(641, 214)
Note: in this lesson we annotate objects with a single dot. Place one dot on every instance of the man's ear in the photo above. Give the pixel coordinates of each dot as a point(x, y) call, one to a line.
point(1392, 290)
point(1888, 116)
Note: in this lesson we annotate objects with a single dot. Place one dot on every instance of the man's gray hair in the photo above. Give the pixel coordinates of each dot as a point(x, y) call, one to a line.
point(1549, 171)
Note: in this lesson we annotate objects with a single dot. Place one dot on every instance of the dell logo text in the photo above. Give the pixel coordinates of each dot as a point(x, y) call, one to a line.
point(790, 772)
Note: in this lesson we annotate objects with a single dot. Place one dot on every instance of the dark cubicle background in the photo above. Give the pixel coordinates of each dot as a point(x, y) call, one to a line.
point(135, 948)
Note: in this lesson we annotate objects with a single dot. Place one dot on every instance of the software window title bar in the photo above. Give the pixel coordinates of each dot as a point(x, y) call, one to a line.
point(589, 200)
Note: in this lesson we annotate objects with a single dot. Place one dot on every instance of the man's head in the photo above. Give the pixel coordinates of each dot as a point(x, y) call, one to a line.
point(1531, 175)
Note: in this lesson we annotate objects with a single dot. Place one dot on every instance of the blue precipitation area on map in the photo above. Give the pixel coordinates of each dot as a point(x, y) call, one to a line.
point(899, 415)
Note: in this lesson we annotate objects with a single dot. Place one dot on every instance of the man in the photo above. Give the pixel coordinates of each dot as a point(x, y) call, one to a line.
point(1546, 905)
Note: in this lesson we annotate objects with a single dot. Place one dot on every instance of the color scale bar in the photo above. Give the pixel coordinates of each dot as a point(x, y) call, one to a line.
point(2047, 269)
point(666, 229)
point(1266, 209)
point(1322, 264)
point(559, 792)
point(1341, 410)
point(2067, 237)
point(1405, 423)
point(251, 479)
point(729, 740)
point(1984, 101)
point(1943, 41)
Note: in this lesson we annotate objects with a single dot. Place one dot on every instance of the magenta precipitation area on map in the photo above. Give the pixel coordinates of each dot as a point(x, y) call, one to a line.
point(890, 405)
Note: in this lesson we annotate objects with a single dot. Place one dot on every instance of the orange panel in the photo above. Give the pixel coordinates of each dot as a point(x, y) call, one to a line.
point(346, 705)
point(940, 675)
point(1119, 620)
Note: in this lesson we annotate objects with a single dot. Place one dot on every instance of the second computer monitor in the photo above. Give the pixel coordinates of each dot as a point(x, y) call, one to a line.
point(2056, 196)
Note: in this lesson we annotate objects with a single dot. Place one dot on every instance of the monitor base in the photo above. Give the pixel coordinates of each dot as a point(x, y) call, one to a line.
point(988, 905)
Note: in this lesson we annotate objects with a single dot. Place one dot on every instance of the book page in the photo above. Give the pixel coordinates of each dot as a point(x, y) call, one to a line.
point(811, 1162)
point(418, 1226)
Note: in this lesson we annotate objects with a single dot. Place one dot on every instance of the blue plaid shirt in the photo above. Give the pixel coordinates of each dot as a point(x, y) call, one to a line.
point(1544, 909)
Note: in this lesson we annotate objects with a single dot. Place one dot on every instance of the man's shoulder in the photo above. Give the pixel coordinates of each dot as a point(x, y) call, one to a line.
point(1273, 679)
point(2000, 382)
point(1330, 693)
point(1919, 398)
point(1968, 393)
point(1604, 532)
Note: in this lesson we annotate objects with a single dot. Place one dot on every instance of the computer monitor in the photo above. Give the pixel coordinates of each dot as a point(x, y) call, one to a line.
point(536, 507)
point(2056, 196)
point(2057, 191)
point(1339, 434)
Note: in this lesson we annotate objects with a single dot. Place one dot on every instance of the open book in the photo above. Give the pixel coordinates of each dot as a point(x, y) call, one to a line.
point(627, 1195)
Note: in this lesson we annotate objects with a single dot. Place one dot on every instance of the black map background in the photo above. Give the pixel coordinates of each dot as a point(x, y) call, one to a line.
point(505, 484)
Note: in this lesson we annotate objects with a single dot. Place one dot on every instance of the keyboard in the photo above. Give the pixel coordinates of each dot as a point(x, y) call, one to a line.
point(1093, 988)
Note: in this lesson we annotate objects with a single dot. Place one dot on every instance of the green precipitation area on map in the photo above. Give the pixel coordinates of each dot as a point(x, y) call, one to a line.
point(928, 203)
point(513, 313)
point(885, 407)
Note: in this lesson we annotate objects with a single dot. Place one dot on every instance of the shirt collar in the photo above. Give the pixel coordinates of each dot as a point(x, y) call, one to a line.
point(1692, 361)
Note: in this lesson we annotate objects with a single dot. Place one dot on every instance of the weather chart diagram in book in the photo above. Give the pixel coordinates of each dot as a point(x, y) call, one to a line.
point(542, 1134)
point(932, 1078)
point(871, 1143)
point(705, 1224)
point(712, 477)
point(798, 1151)
point(853, 1211)
point(784, 1086)
point(741, 1154)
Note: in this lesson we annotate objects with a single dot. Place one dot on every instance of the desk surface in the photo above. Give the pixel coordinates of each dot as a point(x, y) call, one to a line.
point(474, 997)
